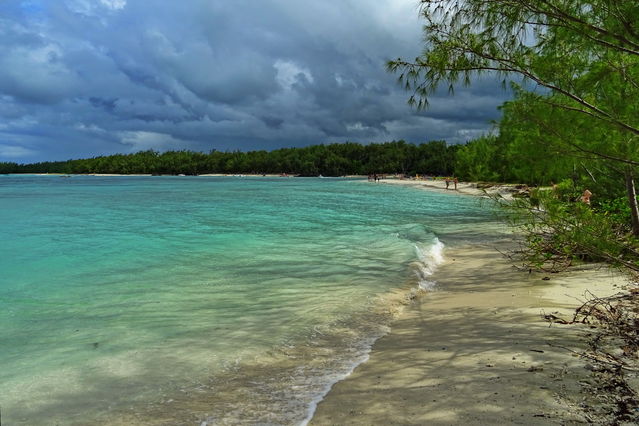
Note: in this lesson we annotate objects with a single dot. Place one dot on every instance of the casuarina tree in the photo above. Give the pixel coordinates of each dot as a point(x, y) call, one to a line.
point(582, 54)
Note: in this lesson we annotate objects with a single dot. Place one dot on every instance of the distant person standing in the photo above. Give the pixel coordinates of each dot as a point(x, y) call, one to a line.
point(455, 181)
point(447, 183)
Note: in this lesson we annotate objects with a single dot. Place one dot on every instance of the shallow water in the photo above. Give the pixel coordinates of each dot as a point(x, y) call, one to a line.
point(179, 299)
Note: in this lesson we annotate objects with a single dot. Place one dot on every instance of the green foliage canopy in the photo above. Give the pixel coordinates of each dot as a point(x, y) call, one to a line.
point(434, 158)
point(579, 49)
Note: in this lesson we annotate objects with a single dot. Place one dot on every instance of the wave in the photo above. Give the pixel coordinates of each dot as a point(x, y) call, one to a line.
point(364, 349)
point(428, 258)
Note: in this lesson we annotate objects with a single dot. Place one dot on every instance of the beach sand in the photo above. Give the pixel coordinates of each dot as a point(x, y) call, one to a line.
point(466, 188)
point(476, 350)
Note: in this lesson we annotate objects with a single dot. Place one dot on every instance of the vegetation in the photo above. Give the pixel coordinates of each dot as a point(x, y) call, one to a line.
point(575, 115)
point(572, 126)
point(574, 121)
point(435, 158)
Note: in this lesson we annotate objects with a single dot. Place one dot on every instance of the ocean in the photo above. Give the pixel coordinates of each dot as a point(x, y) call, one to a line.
point(223, 300)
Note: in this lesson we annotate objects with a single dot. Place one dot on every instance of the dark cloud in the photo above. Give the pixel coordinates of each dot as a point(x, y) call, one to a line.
point(91, 77)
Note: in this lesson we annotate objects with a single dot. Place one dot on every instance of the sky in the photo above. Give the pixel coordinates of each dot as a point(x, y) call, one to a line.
point(82, 78)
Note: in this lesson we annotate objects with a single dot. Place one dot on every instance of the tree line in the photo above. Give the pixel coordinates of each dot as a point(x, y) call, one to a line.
point(338, 159)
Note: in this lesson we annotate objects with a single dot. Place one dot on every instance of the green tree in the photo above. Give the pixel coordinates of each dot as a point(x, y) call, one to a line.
point(584, 53)
point(476, 160)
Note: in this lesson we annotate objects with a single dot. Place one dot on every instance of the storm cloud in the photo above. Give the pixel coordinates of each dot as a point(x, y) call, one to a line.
point(81, 78)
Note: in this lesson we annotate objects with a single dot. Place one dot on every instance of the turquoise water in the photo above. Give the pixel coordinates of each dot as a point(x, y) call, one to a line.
point(124, 299)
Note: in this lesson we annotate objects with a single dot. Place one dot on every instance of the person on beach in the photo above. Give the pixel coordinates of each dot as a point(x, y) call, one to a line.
point(455, 181)
point(447, 183)
point(585, 197)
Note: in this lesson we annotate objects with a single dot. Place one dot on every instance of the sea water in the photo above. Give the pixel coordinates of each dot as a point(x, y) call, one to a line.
point(225, 300)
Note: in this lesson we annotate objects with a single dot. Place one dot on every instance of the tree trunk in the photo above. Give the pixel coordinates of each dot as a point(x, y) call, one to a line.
point(632, 201)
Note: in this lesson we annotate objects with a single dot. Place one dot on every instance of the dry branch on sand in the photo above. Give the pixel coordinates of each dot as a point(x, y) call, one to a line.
point(612, 355)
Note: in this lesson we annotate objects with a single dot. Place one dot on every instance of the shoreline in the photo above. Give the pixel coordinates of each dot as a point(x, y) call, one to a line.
point(505, 191)
point(473, 290)
point(243, 175)
point(476, 349)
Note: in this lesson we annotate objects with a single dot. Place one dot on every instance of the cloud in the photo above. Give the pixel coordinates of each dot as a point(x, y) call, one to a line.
point(114, 4)
point(141, 141)
point(94, 7)
point(14, 152)
point(92, 77)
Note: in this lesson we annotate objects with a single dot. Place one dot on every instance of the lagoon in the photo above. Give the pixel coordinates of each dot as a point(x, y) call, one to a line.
point(178, 299)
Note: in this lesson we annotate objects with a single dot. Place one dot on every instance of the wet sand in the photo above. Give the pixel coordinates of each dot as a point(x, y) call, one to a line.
point(476, 350)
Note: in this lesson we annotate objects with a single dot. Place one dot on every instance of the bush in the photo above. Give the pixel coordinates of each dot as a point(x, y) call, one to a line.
point(558, 231)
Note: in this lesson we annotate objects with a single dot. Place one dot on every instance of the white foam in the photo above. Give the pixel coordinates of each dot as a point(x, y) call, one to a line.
point(426, 285)
point(427, 261)
point(339, 376)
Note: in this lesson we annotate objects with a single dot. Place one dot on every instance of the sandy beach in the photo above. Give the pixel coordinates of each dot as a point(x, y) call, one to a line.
point(476, 349)
point(466, 188)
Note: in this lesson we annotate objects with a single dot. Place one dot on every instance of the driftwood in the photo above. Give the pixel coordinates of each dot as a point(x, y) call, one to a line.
point(612, 354)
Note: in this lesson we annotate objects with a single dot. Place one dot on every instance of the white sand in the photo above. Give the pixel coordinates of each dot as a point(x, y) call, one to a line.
point(467, 188)
point(476, 350)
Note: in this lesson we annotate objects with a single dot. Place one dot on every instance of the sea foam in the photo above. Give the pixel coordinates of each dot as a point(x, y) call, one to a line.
point(428, 258)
